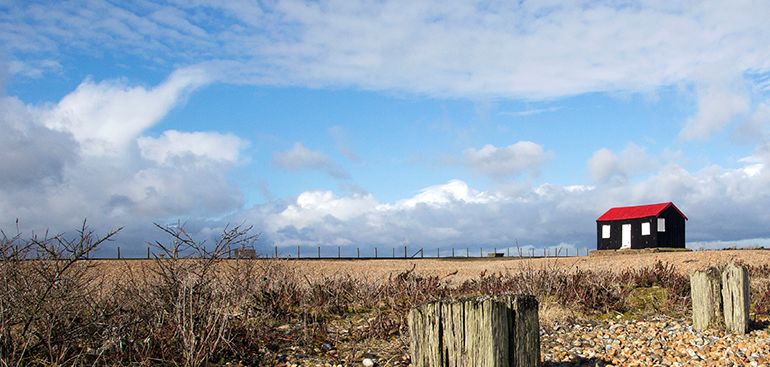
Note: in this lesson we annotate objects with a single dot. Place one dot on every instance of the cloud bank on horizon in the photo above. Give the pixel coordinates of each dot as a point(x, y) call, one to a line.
point(358, 124)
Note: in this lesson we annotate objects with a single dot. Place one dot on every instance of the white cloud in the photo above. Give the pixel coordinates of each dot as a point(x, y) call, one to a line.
point(223, 148)
point(722, 204)
point(455, 191)
point(528, 50)
point(606, 166)
point(49, 180)
point(106, 117)
point(506, 162)
point(301, 158)
point(716, 109)
point(313, 206)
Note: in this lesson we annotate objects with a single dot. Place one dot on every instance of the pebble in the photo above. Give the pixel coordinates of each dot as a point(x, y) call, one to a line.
point(656, 341)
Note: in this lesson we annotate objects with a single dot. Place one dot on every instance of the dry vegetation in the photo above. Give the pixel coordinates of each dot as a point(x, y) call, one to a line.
point(59, 308)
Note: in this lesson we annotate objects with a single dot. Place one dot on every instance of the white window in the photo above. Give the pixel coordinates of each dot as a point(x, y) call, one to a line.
point(606, 231)
point(646, 229)
point(661, 224)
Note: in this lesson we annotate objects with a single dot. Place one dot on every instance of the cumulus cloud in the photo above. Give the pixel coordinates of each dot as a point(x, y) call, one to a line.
point(174, 145)
point(505, 162)
point(301, 158)
point(606, 166)
point(723, 204)
point(30, 153)
point(106, 117)
point(55, 172)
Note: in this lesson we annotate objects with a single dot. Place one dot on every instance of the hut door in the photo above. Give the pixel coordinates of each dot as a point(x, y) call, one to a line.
point(626, 239)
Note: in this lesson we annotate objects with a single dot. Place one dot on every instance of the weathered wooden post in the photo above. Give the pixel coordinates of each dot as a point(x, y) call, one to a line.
point(706, 293)
point(476, 331)
point(735, 298)
point(720, 299)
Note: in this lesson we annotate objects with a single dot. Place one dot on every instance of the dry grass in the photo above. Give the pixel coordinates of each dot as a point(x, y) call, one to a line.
point(683, 262)
point(59, 308)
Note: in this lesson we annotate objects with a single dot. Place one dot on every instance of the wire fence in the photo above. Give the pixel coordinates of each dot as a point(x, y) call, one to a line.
point(368, 253)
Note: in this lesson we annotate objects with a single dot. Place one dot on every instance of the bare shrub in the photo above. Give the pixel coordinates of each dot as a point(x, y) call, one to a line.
point(49, 303)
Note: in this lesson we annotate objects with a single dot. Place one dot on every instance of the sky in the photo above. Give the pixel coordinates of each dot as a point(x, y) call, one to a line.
point(362, 124)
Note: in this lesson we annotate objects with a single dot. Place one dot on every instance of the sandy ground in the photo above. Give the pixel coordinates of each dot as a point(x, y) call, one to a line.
point(685, 262)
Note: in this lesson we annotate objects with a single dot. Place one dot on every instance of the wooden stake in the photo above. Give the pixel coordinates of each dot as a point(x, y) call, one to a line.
point(476, 331)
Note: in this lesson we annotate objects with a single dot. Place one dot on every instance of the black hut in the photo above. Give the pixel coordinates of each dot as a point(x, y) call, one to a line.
point(642, 226)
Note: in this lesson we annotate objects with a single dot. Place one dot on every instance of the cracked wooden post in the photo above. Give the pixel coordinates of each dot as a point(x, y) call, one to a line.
point(706, 293)
point(475, 331)
point(720, 299)
point(735, 298)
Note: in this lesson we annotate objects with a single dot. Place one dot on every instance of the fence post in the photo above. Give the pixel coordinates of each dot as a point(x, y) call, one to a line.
point(148, 253)
point(358, 253)
point(735, 298)
point(394, 252)
point(405, 255)
point(453, 252)
point(720, 298)
point(375, 252)
point(438, 254)
point(297, 252)
point(276, 252)
point(476, 331)
point(706, 293)
point(118, 252)
point(319, 252)
point(338, 252)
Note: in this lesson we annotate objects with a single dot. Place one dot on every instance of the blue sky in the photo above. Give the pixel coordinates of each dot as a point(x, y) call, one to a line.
point(390, 123)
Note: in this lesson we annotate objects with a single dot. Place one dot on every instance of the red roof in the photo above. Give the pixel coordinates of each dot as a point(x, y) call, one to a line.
point(639, 211)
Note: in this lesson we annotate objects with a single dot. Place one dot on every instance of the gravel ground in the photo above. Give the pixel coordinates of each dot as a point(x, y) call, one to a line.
point(655, 341)
point(685, 262)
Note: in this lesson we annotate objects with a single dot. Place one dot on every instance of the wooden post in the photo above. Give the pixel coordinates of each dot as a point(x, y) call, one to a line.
point(358, 252)
point(319, 252)
point(148, 253)
point(298, 252)
point(375, 252)
point(405, 255)
point(476, 331)
point(706, 293)
point(735, 298)
point(720, 299)
point(118, 252)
